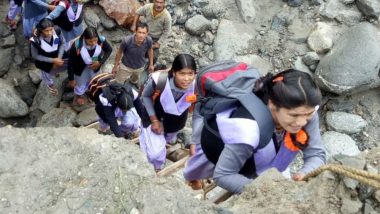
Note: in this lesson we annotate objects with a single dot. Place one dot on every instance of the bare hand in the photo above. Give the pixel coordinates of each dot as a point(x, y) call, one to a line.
point(151, 68)
point(115, 69)
point(58, 62)
point(95, 65)
point(71, 84)
point(156, 45)
point(157, 127)
point(192, 150)
point(51, 7)
point(298, 176)
point(133, 28)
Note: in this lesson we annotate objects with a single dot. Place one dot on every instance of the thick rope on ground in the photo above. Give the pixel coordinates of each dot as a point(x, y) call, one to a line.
point(362, 176)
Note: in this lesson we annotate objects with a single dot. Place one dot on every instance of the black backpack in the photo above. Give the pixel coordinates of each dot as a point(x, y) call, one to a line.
point(113, 91)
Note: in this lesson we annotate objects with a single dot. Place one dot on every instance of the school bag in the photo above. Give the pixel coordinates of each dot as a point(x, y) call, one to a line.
point(228, 84)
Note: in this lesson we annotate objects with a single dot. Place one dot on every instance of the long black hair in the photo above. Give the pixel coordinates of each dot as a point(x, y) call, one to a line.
point(43, 24)
point(289, 89)
point(182, 61)
point(88, 33)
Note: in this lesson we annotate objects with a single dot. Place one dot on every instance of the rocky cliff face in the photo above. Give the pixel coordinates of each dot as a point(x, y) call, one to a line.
point(64, 170)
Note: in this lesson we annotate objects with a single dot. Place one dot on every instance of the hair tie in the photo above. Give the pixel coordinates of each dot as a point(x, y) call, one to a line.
point(278, 79)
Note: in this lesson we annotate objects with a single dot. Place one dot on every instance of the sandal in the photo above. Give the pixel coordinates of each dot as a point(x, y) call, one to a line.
point(79, 100)
point(53, 91)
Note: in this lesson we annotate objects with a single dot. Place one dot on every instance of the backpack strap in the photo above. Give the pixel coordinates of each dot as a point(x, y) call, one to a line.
point(160, 85)
point(262, 115)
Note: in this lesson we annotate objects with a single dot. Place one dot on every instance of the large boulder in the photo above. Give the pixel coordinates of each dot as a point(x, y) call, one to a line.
point(370, 8)
point(320, 39)
point(123, 12)
point(45, 101)
point(247, 10)
point(345, 122)
point(59, 170)
point(232, 37)
point(265, 195)
point(11, 105)
point(339, 144)
point(337, 10)
point(57, 117)
point(353, 63)
point(197, 25)
point(6, 56)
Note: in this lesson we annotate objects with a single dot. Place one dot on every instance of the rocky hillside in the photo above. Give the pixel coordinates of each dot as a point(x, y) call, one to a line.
point(70, 170)
point(337, 41)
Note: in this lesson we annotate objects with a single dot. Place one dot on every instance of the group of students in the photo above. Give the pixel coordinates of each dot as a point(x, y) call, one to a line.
point(232, 156)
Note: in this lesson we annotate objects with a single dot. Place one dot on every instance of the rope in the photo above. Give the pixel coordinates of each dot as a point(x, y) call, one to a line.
point(362, 176)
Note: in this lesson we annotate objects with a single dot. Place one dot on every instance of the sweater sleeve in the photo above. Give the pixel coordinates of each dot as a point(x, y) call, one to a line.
point(107, 52)
point(167, 29)
point(40, 3)
point(37, 56)
point(147, 97)
point(314, 155)
point(56, 12)
point(231, 160)
point(61, 49)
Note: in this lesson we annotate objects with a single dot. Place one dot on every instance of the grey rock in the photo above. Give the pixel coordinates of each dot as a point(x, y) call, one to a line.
point(45, 101)
point(313, 67)
point(11, 105)
point(320, 39)
point(26, 89)
point(200, 3)
point(337, 143)
point(354, 162)
point(336, 10)
point(91, 17)
point(377, 196)
point(272, 183)
point(180, 15)
point(348, 1)
point(35, 75)
point(310, 58)
point(4, 31)
point(208, 38)
point(340, 105)
point(261, 64)
point(86, 117)
point(79, 169)
point(350, 206)
point(369, 8)
point(214, 24)
point(295, 3)
point(197, 25)
point(368, 209)
point(214, 11)
point(57, 117)
point(345, 122)
point(230, 40)
point(6, 56)
point(8, 42)
point(247, 10)
point(338, 73)
point(105, 20)
point(299, 65)
point(316, 2)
